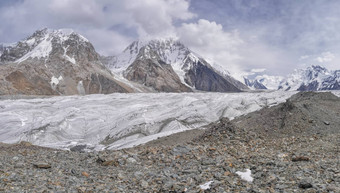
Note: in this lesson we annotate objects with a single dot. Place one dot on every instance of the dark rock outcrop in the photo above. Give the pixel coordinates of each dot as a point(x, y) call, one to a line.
point(203, 78)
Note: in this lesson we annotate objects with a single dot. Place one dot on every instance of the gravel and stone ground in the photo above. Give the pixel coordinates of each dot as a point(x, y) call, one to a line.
point(305, 159)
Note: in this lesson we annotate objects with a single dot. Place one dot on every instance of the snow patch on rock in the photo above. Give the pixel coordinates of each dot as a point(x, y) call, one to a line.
point(80, 88)
point(245, 175)
point(55, 81)
point(42, 50)
point(72, 60)
point(206, 186)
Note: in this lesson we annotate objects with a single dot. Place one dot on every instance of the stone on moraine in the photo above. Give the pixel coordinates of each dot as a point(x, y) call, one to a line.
point(110, 163)
point(131, 160)
point(305, 184)
point(78, 148)
point(144, 184)
point(15, 158)
point(25, 143)
point(300, 158)
point(85, 174)
point(42, 165)
point(180, 150)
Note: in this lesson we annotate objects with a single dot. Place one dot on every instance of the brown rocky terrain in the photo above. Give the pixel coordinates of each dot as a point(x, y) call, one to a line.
point(291, 147)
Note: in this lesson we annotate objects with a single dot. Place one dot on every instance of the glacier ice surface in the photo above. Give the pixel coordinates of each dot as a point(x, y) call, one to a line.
point(118, 120)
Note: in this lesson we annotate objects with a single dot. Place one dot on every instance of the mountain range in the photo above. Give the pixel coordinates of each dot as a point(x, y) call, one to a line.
point(62, 62)
point(313, 78)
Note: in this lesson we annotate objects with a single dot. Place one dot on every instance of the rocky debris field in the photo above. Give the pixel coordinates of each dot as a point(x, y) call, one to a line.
point(230, 156)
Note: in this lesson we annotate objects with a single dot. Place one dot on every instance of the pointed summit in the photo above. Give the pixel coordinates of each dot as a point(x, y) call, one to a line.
point(42, 43)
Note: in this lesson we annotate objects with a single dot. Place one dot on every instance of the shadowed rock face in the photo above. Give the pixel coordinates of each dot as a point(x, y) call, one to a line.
point(55, 63)
point(155, 73)
point(204, 78)
point(311, 86)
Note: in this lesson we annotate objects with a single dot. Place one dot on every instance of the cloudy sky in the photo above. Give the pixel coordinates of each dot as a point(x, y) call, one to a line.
point(262, 36)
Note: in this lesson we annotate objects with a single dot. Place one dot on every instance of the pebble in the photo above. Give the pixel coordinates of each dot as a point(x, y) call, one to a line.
point(304, 184)
point(42, 165)
point(326, 123)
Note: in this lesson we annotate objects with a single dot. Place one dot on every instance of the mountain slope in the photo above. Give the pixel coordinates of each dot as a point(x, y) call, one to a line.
point(193, 71)
point(55, 62)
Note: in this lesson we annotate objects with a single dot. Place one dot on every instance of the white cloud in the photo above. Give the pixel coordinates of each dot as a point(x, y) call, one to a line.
point(155, 17)
point(210, 41)
point(257, 70)
point(325, 57)
point(304, 57)
point(152, 18)
point(76, 11)
point(237, 53)
point(107, 42)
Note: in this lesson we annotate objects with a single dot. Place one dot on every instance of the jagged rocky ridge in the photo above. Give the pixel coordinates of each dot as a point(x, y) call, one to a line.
point(192, 70)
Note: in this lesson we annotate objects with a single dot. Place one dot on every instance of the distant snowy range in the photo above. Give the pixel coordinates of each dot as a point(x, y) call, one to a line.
point(313, 78)
point(72, 96)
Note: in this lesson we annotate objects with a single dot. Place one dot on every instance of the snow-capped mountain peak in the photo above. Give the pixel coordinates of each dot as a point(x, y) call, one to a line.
point(56, 62)
point(169, 50)
point(184, 62)
point(41, 43)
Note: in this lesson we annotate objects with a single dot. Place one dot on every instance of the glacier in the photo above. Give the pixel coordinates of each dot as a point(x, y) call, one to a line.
point(119, 120)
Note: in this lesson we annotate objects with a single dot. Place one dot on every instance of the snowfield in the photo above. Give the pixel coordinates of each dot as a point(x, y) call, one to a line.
point(118, 121)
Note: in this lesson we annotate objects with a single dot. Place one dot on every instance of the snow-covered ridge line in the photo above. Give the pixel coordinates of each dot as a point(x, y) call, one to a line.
point(121, 120)
point(40, 44)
